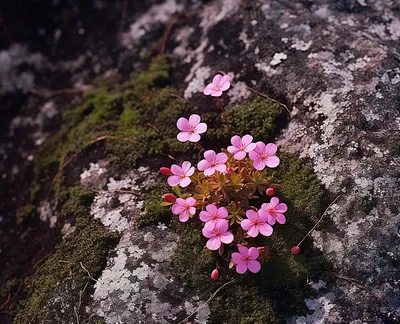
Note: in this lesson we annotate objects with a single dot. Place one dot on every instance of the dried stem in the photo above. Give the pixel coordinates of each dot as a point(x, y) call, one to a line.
point(208, 300)
point(98, 139)
point(319, 221)
point(223, 113)
point(201, 147)
point(119, 191)
point(50, 93)
point(269, 98)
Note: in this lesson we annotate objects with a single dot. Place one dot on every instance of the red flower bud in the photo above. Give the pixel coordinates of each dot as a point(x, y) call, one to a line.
point(165, 171)
point(169, 197)
point(270, 191)
point(295, 250)
point(214, 274)
point(229, 170)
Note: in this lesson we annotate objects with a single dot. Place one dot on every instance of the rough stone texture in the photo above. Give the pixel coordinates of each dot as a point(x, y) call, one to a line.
point(136, 286)
point(336, 63)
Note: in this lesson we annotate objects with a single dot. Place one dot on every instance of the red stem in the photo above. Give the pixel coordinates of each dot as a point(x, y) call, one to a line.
point(198, 144)
point(223, 113)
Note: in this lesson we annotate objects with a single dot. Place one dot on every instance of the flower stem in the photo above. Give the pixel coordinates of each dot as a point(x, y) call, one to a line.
point(201, 147)
point(238, 165)
point(223, 113)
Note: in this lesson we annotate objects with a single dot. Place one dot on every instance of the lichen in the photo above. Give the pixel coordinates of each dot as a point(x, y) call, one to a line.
point(63, 275)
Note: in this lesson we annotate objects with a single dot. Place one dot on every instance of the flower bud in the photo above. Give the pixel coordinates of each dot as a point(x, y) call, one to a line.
point(229, 170)
point(295, 250)
point(169, 197)
point(270, 191)
point(214, 274)
point(165, 171)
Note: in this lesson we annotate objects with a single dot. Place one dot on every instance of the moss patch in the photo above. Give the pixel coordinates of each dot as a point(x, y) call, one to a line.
point(55, 290)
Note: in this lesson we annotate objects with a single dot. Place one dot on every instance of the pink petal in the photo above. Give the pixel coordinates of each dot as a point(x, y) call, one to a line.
point(184, 217)
point(186, 166)
point(176, 169)
point(201, 128)
point(254, 266)
point(237, 258)
point(225, 86)
point(247, 139)
point(271, 149)
point(250, 147)
point(246, 224)
point(185, 182)
point(280, 218)
point(227, 237)
point(210, 155)
point(194, 120)
point(173, 180)
point(209, 171)
point(183, 124)
point(177, 209)
point(253, 231)
point(192, 211)
point(220, 168)
point(207, 234)
point(241, 267)
point(272, 162)
point(265, 229)
point(203, 165)
point(236, 141)
point(260, 147)
point(194, 137)
point(263, 214)
point(221, 158)
point(240, 155)
point(190, 172)
point(217, 79)
point(216, 93)
point(223, 227)
point(252, 215)
point(208, 89)
point(209, 226)
point(281, 208)
point(254, 155)
point(181, 201)
point(253, 253)
point(243, 250)
point(258, 164)
point(274, 202)
point(219, 222)
point(233, 149)
point(191, 201)
point(213, 243)
point(271, 219)
point(204, 216)
point(222, 212)
point(212, 209)
point(183, 136)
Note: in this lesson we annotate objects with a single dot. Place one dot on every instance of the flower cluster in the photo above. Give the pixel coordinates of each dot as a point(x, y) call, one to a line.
point(221, 189)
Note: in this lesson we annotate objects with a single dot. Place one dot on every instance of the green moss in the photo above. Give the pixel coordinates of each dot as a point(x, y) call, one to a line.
point(154, 212)
point(9, 286)
point(62, 275)
point(24, 212)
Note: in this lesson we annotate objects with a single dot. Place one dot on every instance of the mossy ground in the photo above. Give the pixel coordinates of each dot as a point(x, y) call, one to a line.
point(143, 110)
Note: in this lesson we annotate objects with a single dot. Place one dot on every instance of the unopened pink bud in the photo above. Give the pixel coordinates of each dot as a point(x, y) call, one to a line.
point(169, 197)
point(215, 275)
point(270, 191)
point(295, 250)
point(165, 171)
point(229, 170)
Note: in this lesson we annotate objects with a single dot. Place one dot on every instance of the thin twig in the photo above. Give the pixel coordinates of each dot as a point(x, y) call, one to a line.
point(41, 260)
point(319, 221)
point(6, 302)
point(87, 144)
point(153, 126)
point(50, 93)
point(359, 285)
point(201, 147)
point(208, 300)
point(183, 99)
point(90, 276)
point(269, 98)
point(223, 113)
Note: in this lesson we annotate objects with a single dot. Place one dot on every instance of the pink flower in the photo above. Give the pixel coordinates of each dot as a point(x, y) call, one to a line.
point(264, 155)
point(190, 129)
point(246, 259)
point(181, 175)
point(219, 83)
point(218, 235)
point(274, 211)
point(256, 223)
point(184, 208)
point(213, 216)
point(213, 162)
point(241, 146)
